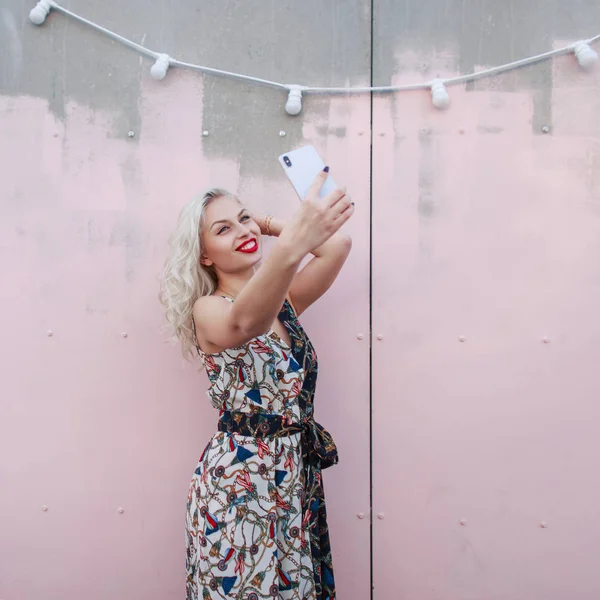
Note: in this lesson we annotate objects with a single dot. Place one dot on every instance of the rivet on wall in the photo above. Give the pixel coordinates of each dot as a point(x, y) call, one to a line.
point(49, 334)
point(380, 337)
point(121, 510)
point(124, 334)
point(205, 133)
point(131, 134)
point(359, 336)
point(546, 340)
point(462, 338)
point(543, 525)
point(463, 522)
point(45, 508)
point(282, 134)
point(361, 515)
point(381, 516)
point(545, 129)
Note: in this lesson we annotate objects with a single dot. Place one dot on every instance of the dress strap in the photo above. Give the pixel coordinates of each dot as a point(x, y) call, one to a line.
point(289, 299)
point(198, 350)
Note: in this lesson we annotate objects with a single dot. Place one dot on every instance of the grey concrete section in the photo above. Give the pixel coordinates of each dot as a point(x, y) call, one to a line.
point(309, 42)
point(63, 60)
point(481, 32)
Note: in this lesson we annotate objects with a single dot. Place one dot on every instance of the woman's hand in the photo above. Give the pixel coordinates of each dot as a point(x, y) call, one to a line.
point(318, 219)
point(260, 219)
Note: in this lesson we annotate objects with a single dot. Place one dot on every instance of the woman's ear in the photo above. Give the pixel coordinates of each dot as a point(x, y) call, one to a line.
point(206, 262)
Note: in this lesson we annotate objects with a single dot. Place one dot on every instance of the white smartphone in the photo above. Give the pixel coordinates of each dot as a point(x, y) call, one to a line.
point(302, 166)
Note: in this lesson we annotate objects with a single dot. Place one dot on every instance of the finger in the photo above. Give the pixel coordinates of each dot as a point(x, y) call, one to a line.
point(334, 197)
point(344, 216)
point(341, 205)
point(318, 182)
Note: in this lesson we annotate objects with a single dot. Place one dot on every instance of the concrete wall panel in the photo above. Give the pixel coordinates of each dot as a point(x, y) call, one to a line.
point(92, 421)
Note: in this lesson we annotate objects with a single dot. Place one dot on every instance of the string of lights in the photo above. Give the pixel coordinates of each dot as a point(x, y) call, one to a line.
point(586, 56)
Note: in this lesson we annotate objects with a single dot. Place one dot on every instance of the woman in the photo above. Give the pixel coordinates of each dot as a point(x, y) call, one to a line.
point(256, 520)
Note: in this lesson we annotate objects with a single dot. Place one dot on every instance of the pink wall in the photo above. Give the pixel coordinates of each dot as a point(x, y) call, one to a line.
point(486, 294)
point(93, 422)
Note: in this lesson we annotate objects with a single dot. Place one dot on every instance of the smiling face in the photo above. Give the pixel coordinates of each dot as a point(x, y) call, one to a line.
point(231, 239)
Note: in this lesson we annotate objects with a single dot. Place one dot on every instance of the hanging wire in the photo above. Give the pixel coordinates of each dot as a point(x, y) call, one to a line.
point(582, 50)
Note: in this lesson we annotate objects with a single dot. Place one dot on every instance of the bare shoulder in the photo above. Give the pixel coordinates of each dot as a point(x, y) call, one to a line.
point(208, 309)
point(208, 303)
point(215, 330)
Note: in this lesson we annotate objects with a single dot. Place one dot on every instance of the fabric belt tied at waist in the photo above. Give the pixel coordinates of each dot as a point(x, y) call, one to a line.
point(317, 444)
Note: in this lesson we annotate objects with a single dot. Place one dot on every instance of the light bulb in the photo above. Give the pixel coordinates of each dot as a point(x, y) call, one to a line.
point(160, 67)
point(40, 11)
point(293, 106)
point(439, 95)
point(585, 54)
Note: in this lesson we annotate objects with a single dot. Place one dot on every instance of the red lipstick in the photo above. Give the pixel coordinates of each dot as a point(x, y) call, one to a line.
point(248, 247)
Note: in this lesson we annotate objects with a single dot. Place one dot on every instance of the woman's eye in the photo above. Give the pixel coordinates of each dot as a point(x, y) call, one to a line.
point(224, 228)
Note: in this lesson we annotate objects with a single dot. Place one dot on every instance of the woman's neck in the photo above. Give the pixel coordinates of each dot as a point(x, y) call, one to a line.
point(232, 285)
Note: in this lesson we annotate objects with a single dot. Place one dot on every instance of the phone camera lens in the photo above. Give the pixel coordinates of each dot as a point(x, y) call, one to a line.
point(287, 161)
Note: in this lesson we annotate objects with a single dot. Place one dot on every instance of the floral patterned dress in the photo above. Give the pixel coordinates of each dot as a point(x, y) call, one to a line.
point(256, 522)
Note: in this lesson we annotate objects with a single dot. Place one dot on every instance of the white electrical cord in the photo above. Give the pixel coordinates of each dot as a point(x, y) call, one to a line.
point(585, 54)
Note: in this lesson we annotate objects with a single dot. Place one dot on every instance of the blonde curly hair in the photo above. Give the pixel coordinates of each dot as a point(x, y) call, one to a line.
point(184, 279)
